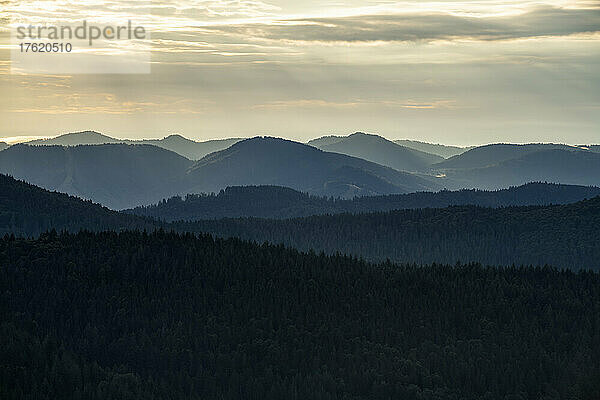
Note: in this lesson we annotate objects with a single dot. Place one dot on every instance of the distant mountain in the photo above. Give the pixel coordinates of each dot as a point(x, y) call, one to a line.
point(379, 150)
point(116, 175)
point(272, 161)
point(3, 146)
point(564, 236)
point(188, 148)
point(492, 154)
point(28, 210)
point(280, 202)
point(75, 139)
point(558, 166)
point(441, 150)
point(325, 141)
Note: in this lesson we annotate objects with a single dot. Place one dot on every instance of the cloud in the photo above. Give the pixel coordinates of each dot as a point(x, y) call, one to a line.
point(354, 103)
point(538, 22)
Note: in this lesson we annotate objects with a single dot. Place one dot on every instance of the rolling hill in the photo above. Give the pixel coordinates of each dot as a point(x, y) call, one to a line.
point(75, 139)
point(3, 146)
point(441, 150)
point(558, 166)
point(272, 161)
point(280, 202)
point(564, 236)
point(187, 148)
point(28, 210)
point(115, 175)
point(492, 154)
point(379, 150)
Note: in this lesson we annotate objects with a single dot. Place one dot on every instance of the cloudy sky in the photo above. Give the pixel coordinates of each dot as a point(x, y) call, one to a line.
point(466, 72)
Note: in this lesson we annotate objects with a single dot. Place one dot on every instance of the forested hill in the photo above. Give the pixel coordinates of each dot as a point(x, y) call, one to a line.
point(165, 316)
point(29, 210)
point(280, 202)
point(561, 235)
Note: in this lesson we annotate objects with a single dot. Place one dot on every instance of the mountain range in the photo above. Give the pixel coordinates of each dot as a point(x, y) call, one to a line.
point(176, 143)
point(493, 154)
point(441, 150)
point(116, 175)
point(565, 166)
point(273, 161)
point(379, 150)
point(124, 176)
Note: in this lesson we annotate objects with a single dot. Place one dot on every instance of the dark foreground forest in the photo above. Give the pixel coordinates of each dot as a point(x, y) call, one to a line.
point(167, 316)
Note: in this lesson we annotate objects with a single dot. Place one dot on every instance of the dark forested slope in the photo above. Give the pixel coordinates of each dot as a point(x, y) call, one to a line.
point(281, 202)
point(27, 210)
point(561, 235)
point(163, 316)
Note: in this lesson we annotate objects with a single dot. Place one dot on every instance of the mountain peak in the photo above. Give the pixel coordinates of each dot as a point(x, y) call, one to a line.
point(178, 138)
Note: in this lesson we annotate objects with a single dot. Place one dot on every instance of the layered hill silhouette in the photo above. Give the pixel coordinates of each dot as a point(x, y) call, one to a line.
point(28, 210)
point(124, 176)
point(280, 202)
point(441, 150)
point(565, 166)
point(564, 236)
point(379, 150)
point(115, 175)
point(493, 154)
point(188, 148)
point(273, 161)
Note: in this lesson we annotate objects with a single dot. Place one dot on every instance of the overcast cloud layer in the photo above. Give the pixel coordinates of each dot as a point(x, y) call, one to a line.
point(452, 72)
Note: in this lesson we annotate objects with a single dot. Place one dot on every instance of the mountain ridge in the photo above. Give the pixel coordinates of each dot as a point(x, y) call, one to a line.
point(268, 160)
point(179, 144)
point(377, 149)
point(442, 150)
point(281, 202)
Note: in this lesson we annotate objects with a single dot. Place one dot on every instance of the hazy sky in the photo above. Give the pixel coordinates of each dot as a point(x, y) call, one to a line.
point(467, 72)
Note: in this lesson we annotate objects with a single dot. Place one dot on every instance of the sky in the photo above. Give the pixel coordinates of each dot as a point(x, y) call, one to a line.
point(453, 72)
